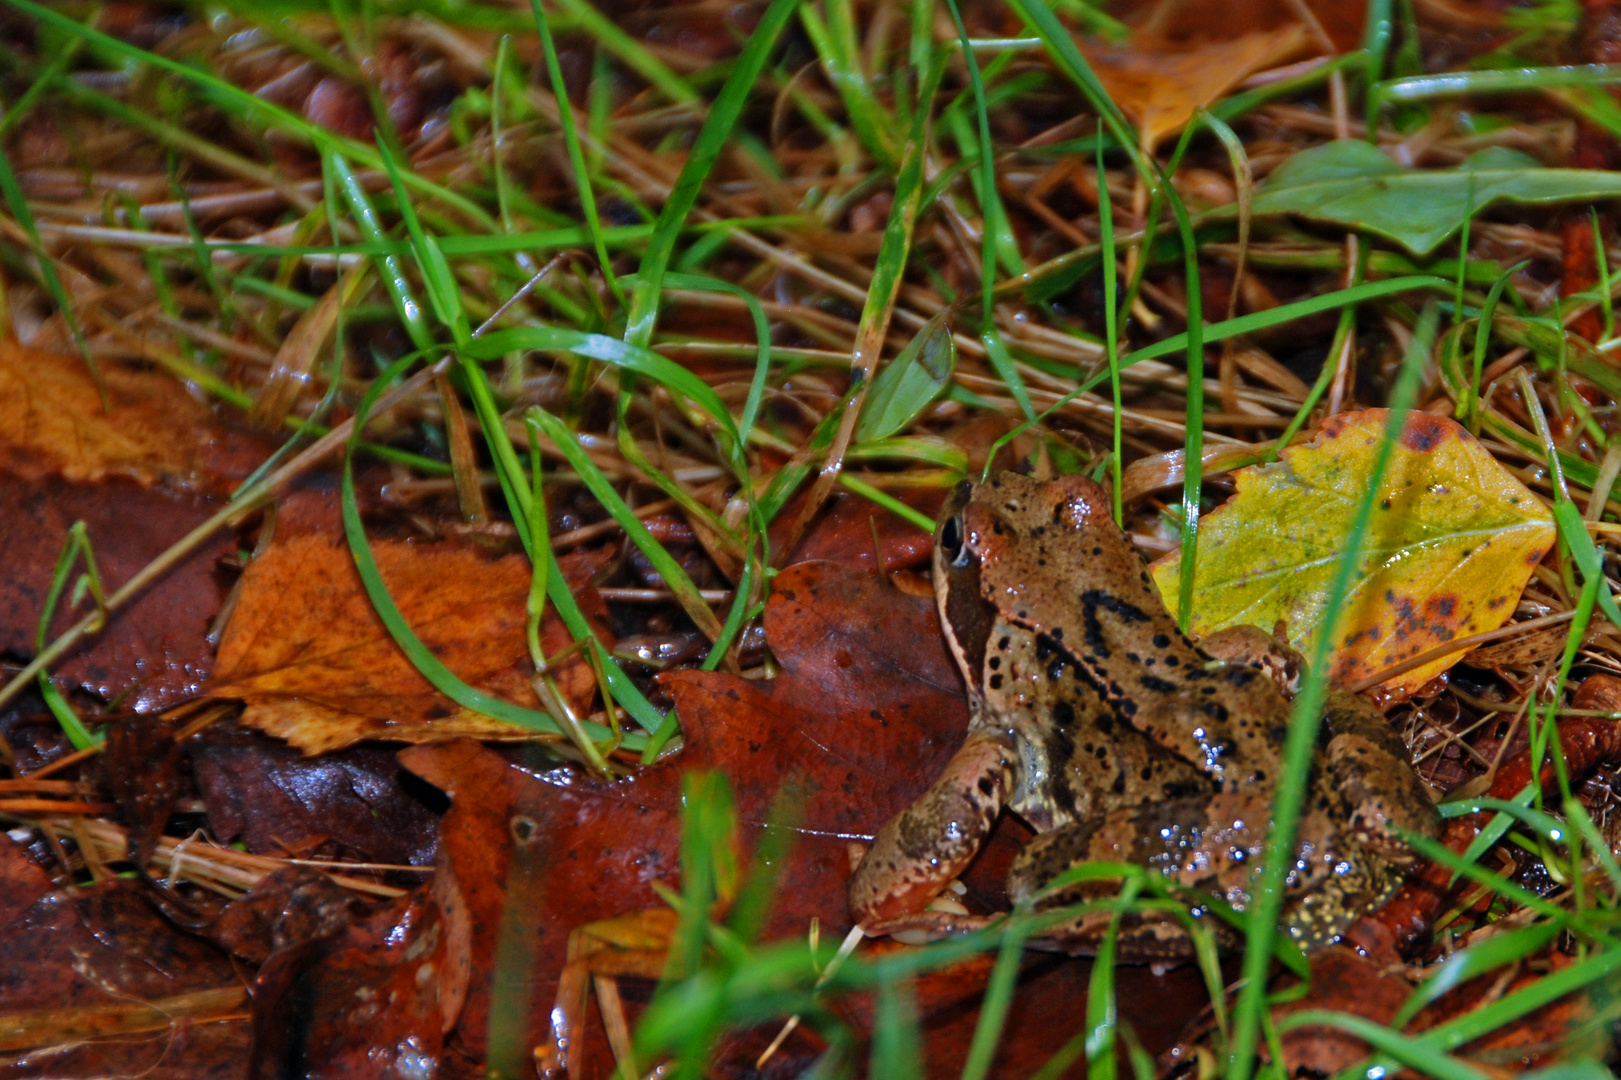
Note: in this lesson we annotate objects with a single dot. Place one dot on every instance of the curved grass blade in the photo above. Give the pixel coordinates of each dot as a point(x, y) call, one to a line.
point(712, 137)
point(621, 354)
point(52, 281)
point(909, 383)
point(1406, 1049)
point(571, 141)
point(239, 101)
point(431, 667)
point(675, 578)
point(1304, 722)
point(515, 487)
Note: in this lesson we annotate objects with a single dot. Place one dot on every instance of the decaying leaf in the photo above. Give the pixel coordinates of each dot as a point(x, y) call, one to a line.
point(1356, 184)
point(1160, 87)
point(52, 423)
point(863, 717)
point(1453, 540)
point(315, 666)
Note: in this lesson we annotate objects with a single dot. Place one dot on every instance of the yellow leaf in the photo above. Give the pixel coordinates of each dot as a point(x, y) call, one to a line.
point(1453, 540)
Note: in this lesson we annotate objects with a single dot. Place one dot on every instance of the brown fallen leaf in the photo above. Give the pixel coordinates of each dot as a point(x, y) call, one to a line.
point(350, 989)
point(112, 989)
point(348, 804)
point(864, 715)
point(154, 652)
point(315, 666)
point(52, 425)
point(1160, 84)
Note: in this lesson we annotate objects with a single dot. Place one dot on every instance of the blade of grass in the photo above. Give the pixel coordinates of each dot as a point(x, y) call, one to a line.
point(706, 149)
point(630, 51)
point(1111, 338)
point(576, 155)
point(675, 578)
point(52, 281)
point(1304, 721)
point(422, 658)
point(993, 1007)
point(897, 1041)
point(75, 548)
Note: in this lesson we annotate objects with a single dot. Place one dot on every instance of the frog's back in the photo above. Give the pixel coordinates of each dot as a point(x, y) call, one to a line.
point(1068, 574)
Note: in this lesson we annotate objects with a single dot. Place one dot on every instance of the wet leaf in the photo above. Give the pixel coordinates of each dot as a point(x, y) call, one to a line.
point(1160, 85)
point(101, 962)
point(863, 717)
point(352, 987)
point(348, 804)
point(1352, 183)
point(1452, 543)
point(52, 425)
point(908, 383)
point(154, 652)
point(315, 666)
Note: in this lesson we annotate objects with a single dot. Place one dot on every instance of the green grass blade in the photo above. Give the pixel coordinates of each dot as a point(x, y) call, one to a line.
point(993, 1007)
point(430, 666)
point(675, 578)
point(897, 1039)
point(712, 138)
point(47, 271)
point(571, 141)
point(1404, 1048)
point(1304, 722)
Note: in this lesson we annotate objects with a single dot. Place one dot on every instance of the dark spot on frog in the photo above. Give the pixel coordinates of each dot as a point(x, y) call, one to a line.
point(1128, 708)
point(754, 747)
point(987, 786)
point(1276, 735)
point(1097, 551)
point(1157, 685)
point(994, 662)
point(437, 712)
point(996, 682)
point(1004, 643)
point(1105, 725)
point(1162, 641)
point(1063, 714)
point(1119, 786)
point(1214, 711)
point(1171, 661)
point(1207, 690)
point(1240, 676)
point(1148, 772)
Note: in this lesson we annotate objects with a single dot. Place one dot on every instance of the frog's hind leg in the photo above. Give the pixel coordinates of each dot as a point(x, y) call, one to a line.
point(923, 848)
point(1146, 935)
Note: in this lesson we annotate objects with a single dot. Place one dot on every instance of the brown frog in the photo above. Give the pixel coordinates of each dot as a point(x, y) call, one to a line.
point(1118, 739)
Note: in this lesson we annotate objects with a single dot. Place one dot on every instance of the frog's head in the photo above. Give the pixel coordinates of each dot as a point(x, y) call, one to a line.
point(1013, 548)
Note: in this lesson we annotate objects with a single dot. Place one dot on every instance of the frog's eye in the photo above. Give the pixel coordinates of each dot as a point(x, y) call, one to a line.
point(951, 545)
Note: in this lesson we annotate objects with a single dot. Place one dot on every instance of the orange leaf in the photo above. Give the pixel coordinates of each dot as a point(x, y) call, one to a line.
point(308, 655)
point(1160, 86)
point(52, 423)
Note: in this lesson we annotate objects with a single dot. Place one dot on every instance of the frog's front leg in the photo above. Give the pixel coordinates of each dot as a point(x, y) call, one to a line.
point(923, 848)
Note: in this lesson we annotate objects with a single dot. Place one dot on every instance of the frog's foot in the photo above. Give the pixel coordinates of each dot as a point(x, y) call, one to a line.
point(1255, 647)
point(922, 927)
